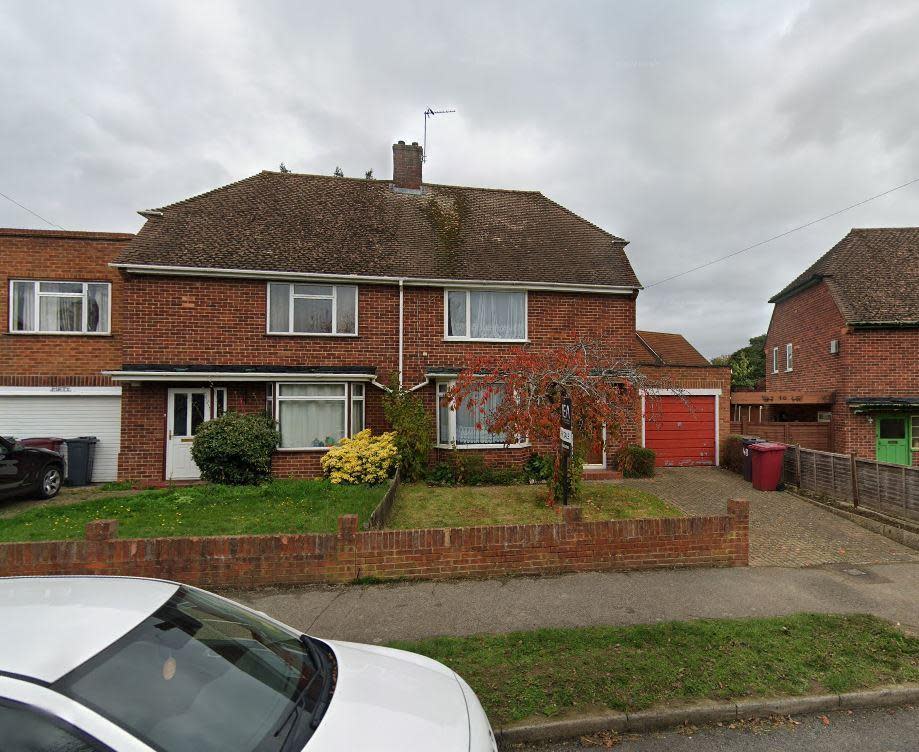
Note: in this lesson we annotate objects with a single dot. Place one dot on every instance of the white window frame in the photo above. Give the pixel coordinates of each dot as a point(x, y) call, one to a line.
point(274, 395)
point(290, 310)
point(84, 296)
point(451, 426)
point(362, 398)
point(789, 357)
point(914, 433)
point(775, 360)
point(468, 338)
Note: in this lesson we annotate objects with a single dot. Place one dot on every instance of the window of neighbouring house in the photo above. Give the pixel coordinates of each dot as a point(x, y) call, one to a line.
point(915, 421)
point(464, 427)
point(49, 307)
point(789, 354)
point(312, 309)
point(485, 315)
point(775, 360)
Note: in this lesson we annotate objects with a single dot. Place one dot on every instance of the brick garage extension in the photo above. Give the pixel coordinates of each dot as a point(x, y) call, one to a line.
point(242, 561)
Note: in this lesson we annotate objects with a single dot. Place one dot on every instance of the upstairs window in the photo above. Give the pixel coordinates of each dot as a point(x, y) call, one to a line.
point(789, 354)
point(60, 307)
point(312, 309)
point(485, 315)
point(775, 360)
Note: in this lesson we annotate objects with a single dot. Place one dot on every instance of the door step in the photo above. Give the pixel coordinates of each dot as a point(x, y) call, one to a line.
point(602, 475)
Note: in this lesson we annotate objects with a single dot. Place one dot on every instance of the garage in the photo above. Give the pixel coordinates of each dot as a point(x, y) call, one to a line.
point(67, 412)
point(682, 429)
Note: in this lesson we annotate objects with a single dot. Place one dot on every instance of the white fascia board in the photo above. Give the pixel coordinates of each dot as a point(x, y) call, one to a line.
point(679, 392)
point(60, 391)
point(235, 376)
point(193, 271)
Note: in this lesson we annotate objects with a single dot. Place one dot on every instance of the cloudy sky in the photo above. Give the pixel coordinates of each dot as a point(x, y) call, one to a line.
point(692, 129)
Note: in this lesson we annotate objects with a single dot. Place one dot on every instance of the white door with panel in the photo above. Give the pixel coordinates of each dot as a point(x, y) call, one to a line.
point(187, 409)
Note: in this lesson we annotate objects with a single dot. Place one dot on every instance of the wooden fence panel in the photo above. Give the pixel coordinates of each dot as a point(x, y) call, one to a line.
point(809, 435)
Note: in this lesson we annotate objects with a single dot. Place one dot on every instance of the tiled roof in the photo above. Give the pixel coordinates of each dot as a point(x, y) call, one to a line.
point(669, 349)
point(873, 274)
point(296, 223)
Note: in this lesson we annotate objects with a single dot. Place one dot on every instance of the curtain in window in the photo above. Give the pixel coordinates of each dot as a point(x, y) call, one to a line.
point(97, 308)
point(60, 314)
point(311, 423)
point(471, 425)
point(456, 313)
point(23, 306)
point(497, 315)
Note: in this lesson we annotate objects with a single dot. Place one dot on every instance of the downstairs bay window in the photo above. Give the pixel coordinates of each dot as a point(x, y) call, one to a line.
point(317, 416)
point(462, 427)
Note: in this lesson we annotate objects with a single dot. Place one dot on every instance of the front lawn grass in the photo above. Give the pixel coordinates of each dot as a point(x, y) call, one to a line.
point(281, 506)
point(547, 672)
point(420, 506)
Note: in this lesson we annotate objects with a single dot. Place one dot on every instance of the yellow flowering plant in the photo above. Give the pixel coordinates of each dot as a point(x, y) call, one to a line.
point(364, 458)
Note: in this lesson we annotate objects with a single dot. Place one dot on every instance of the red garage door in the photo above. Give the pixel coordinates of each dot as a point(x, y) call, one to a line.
point(681, 430)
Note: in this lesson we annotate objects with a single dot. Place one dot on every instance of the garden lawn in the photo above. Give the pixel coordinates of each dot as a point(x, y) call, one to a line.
point(281, 506)
point(419, 506)
point(528, 675)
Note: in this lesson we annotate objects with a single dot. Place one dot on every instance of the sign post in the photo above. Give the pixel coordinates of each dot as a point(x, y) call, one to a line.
point(567, 437)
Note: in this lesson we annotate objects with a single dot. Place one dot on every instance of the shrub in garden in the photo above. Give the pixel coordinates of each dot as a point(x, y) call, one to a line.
point(732, 456)
point(364, 458)
point(538, 468)
point(635, 461)
point(441, 475)
point(236, 449)
point(414, 428)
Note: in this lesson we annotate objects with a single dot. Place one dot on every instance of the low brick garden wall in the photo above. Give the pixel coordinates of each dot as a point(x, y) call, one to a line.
point(570, 545)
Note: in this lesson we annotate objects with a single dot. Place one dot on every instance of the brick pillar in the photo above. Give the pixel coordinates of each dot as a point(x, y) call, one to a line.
point(101, 530)
point(739, 512)
point(571, 514)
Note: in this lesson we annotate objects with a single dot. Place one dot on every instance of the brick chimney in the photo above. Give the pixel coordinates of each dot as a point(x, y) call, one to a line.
point(406, 165)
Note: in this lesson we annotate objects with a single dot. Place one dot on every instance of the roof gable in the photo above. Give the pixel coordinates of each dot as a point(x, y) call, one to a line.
point(671, 349)
point(314, 224)
point(872, 273)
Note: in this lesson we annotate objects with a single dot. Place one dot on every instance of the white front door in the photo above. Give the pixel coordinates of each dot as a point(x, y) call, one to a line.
point(187, 409)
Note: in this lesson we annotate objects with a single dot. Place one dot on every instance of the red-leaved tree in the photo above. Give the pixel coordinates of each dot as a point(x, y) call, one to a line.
point(603, 384)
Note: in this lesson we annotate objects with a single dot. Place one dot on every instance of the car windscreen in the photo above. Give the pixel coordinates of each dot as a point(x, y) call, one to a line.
point(204, 674)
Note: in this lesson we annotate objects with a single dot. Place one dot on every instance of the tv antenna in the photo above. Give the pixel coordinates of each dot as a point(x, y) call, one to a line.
point(430, 113)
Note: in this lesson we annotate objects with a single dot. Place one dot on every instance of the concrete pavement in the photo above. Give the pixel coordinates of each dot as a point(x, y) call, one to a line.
point(379, 613)
point(880, 730)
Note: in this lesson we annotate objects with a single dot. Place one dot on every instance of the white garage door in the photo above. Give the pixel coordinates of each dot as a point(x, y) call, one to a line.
point(66, 416)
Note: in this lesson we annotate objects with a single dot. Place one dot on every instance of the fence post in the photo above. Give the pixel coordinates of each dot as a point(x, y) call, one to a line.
point(854, 479)
point(798, 463)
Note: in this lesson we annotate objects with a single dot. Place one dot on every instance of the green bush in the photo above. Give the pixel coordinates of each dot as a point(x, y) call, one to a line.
point(732, 456)
point(414, 429)
point(635, 461)
point(441, 475)
point(364, 458)
point(538, 468)
point(236, 449)
point(575, 477)
point(469, 469)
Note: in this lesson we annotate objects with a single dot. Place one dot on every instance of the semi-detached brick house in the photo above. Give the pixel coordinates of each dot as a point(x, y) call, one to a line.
point(63, 329)
point(302, 294)
point(844, 341)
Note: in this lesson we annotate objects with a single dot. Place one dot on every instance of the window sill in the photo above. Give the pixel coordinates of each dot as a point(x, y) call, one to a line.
point(483, 339)
point(483, 446)
point(60, 334)
point(789, 370)
point(286, 450)
point(308, 334)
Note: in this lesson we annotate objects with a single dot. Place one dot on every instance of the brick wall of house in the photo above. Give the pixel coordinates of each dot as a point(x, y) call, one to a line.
point(233, 561)
point(59, 360)
point(876, 362)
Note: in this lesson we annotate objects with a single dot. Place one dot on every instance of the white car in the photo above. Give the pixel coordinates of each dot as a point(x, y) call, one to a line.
point(134, 665)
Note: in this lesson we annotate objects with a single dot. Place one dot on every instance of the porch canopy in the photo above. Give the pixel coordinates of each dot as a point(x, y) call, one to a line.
point(878, 404)
point(782, 398)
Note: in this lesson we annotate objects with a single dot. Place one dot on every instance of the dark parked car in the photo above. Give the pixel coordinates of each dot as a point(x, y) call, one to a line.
point(29, 470)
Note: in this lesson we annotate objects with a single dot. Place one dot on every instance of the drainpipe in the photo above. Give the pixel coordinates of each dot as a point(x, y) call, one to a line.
point(401, 306)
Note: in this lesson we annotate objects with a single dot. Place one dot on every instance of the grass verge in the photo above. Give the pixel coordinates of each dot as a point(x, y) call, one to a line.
point(419, 506)
point(528, 675)
point(281, 506)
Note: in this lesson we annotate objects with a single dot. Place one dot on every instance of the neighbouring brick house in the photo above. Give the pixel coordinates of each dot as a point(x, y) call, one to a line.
point(302, 294)
point(63, 329)
point(843, 344)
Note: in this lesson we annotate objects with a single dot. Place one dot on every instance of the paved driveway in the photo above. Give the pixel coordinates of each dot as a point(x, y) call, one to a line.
point(785, 530)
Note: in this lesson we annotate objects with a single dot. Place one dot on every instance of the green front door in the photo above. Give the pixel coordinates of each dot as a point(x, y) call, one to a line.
point(893, 439)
